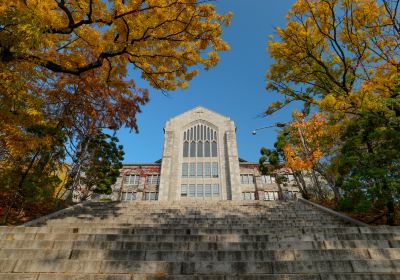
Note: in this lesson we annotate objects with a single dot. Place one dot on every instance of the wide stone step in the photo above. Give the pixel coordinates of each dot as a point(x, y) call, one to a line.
point(199, 237)
point(212, 213)
point(210, 218)
point(287, 224)
point(198, 246)
point(195, 256)
point(121, 276)
point(196, 229)
point(278, 267)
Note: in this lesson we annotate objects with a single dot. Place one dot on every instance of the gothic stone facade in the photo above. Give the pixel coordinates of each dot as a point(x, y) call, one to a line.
point(200, 161)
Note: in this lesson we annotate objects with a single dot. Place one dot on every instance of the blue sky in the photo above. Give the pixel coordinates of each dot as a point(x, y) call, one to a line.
point(234, 88)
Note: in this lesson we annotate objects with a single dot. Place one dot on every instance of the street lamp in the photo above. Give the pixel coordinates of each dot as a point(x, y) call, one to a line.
point(278, 124)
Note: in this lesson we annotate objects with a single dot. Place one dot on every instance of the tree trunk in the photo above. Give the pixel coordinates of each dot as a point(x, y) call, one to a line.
point(19, 189)
point(302, 184)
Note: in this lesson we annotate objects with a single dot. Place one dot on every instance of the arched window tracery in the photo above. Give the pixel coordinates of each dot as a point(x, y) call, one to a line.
point(200, 141)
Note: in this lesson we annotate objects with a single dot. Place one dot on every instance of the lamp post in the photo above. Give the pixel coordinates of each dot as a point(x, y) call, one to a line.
point(278, 124)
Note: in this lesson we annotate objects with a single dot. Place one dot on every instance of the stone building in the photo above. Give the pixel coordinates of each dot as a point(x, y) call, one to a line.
point(200, 161)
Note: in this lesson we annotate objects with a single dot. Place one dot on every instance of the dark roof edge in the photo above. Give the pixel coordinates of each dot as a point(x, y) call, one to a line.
point(141, 163)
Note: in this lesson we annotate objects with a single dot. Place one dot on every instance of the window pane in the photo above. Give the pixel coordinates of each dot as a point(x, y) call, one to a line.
point(146, 196)
point(192, 170)
point(200, 149)
point(207, 149)
point(184, 135)
point(199, 169)
point(193, 149)
point(152, 196)
point(194, 133)
point(208, 134)
point(185, 169)
point(201, 132)
point(131, 179)
point(251, 179)
point(184, 190)
point(185, 149)
point(214, 170)
point(215, 190)
point(207, 190)
point(192, 190)
point(207, 169)
point(276, 195)
point(199, 191)
point(214, 149)
point(191, 134)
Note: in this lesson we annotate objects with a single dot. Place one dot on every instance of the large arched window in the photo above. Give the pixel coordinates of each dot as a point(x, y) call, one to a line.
point(200, 141)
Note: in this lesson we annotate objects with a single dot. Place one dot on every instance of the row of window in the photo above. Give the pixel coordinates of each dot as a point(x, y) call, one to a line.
point(246, 178)
point(200, 169)
point(270, 195)
point(129, 196)
point(133, 179)
point(199, 132)
point(266, 179)
point(200, 190)
point(200, 149)
point(267, 195)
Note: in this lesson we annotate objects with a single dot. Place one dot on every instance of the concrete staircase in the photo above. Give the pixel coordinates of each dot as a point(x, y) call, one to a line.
point(198, 240)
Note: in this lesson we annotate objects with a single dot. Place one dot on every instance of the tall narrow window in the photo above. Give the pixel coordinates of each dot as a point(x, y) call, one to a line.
point(207, 190)
point(192, 169)
point(185, 169)
point(214, 149)
point(185, 149)
point(200, 149)
point(207, 149)
point(192, 190)
point(215, 190)
point(199, 192)
point(184, 190)
point(193, 149)
point(214, 170)
point(199, 169)
point(207, 170)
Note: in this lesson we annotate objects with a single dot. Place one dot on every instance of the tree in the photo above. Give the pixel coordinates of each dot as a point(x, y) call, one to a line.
point(343, 53)
point(66, 65)
point(273, 162)
point(161, 38)
point(310, 147)
point(97, 164)
point(341, 58)
point(369, 166)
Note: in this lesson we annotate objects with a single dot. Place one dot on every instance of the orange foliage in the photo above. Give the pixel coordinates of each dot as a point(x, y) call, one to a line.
point(304, 150)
